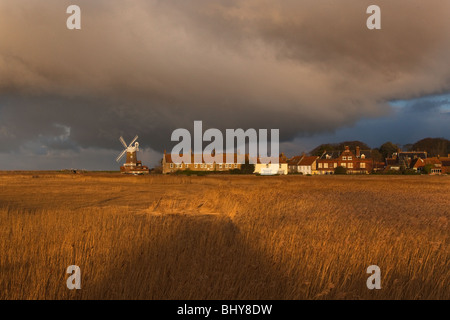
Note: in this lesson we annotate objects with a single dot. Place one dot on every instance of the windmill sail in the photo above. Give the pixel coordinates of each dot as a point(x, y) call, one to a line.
point(121, 155)
point(132, 141)
point(123, 142)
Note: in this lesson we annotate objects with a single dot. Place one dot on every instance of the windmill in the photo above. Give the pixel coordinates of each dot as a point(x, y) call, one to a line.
point(132, 165)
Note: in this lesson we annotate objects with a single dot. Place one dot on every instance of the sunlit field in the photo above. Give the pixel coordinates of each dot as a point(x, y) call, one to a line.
point(223, 237)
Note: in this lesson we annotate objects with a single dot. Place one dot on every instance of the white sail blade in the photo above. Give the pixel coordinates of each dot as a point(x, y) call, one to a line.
point(123, 142)
point(121, 155)
point(132, 141)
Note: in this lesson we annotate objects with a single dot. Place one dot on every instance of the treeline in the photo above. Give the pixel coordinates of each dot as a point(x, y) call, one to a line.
point(433, 146)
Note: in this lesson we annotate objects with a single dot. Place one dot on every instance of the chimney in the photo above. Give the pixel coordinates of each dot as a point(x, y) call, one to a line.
point(358, 152)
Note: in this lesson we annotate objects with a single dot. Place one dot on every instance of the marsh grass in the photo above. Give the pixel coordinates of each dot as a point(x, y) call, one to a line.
point(225, 237)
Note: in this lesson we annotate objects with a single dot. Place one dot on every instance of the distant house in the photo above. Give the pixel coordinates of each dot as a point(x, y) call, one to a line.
point(293, 164)
point(437, 165)
point(405, 159)
point(359, 162)
point(418, 165)
point(272, 168)
point(445, 164)
point(378, 166)
point(392, 165)
point(303, 164)
point(168, 166)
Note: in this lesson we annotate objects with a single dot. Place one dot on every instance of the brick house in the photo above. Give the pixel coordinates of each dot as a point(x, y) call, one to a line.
point(405, 159)
point(359, 162)
point(438, 165)
point(445, 164)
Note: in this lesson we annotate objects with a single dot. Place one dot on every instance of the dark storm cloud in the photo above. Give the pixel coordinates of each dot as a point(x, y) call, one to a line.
point(429, 105)
point(410, 121)
point(149, 67)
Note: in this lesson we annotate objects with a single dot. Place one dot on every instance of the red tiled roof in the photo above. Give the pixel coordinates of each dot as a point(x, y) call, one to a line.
point(416, 163)
point(295, 160)
point(307, 161)
point(432, 161)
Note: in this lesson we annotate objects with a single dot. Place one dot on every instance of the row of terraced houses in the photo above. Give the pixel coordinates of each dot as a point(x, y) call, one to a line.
point(354, 161)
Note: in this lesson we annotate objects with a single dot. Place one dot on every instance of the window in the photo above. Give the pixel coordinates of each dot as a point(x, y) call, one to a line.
point(220, 166)
point(325, 165)
point(235, 165)
point(350, 165)
point(171, 165)
point(344, 158)
point(344, 165)
point(362, 165)
point(349, 158)
point(195, 166)
point(335, 164)
point(363, 156)
point(201, 166)
point(320, 165)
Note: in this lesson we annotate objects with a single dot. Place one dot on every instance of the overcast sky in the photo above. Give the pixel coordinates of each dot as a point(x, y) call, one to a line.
point(309, 68)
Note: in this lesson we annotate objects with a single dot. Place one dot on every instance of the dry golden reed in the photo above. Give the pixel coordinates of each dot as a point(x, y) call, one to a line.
point(223, 237)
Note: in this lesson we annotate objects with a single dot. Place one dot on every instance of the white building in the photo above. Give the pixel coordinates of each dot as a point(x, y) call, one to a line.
point(272, 168)
point(303, 165)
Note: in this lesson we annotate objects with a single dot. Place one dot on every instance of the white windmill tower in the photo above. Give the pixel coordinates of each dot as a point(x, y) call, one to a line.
point(132, 165)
